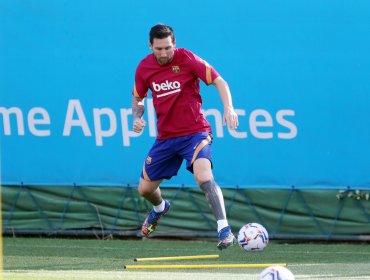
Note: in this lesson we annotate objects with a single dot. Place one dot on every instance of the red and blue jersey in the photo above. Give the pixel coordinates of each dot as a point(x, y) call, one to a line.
point(175, 91)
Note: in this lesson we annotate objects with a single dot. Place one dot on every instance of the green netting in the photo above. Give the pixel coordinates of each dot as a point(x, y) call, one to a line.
point(103, 211)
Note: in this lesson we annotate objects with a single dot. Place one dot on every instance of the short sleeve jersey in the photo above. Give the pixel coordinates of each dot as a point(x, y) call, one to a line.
point(175, 92)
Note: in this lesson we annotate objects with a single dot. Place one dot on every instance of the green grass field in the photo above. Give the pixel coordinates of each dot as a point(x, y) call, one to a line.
point(58, 258)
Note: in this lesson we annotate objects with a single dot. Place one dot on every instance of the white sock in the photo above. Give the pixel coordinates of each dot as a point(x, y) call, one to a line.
point(221, 224)
point(160, 207)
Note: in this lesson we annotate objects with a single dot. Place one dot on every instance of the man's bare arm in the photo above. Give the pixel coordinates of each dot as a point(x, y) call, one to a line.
point(230, 117)
point(137, 112)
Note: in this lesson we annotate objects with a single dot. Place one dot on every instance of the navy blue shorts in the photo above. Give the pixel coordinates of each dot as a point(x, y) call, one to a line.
point(165, 157)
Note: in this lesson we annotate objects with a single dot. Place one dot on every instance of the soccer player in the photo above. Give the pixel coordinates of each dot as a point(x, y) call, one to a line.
point(173, 75)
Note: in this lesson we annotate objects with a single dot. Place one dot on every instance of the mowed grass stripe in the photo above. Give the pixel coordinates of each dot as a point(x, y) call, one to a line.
point(167, 251)
point(179, 275)
point(143, 275)
point(334, 261)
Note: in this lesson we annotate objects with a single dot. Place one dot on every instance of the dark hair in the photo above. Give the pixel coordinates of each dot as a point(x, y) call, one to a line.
point(161, 31)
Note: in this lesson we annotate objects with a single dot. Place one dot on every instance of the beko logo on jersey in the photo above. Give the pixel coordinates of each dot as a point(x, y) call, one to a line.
point(166, 85)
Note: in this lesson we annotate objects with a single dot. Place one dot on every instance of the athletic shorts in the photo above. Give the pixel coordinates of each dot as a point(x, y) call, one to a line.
point(165, 157)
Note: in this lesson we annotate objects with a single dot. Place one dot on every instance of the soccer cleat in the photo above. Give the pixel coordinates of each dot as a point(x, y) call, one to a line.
point(151, 221)
point(226, 238)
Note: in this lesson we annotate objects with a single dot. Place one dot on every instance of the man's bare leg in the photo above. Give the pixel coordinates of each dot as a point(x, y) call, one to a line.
point(150, 191)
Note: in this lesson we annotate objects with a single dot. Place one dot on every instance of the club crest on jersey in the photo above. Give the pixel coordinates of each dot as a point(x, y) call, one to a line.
point(148, 160)
point(176, 69)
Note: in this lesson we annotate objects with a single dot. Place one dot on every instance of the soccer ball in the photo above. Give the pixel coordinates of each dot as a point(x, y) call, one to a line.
point(253, 237)
point(276, 273)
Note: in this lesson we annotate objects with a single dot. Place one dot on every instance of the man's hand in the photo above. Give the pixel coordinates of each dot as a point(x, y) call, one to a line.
point(139, 125)
point(230, 118)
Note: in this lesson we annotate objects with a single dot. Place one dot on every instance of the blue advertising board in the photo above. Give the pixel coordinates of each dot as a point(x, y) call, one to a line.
point(298, 71)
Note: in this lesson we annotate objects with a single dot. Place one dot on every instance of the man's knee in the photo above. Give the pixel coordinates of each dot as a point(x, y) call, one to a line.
point(202, 171)
point(147, 187)
point(142, 191)
point(203, 178)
